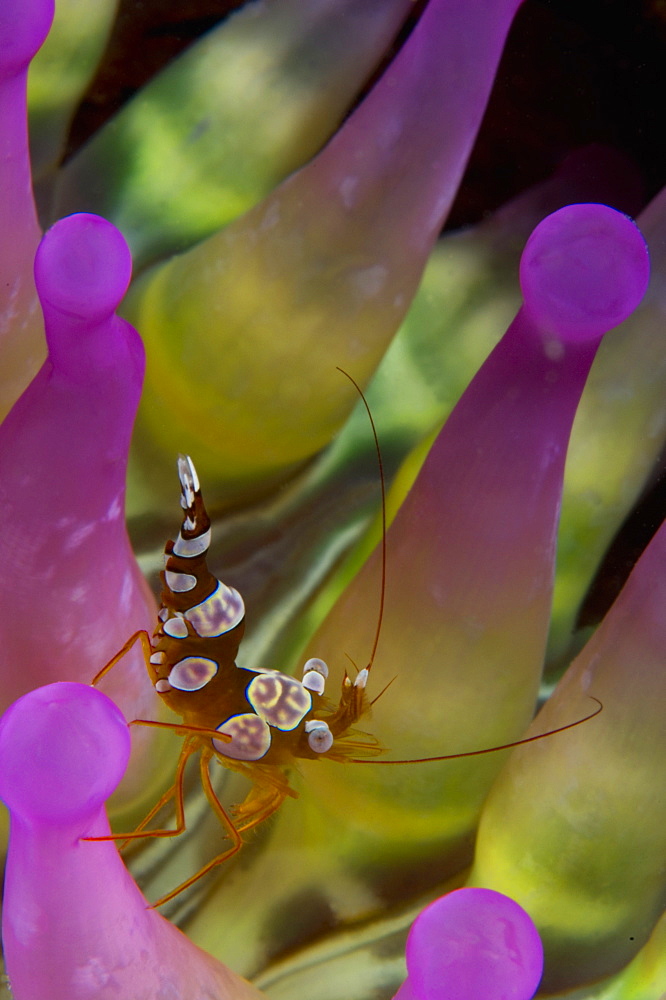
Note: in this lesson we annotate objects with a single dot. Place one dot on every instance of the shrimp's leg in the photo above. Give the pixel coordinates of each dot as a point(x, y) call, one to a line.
point(147, 650)
point(179, 727)
point(269, 790)
point(225, 820)
point(176, 791)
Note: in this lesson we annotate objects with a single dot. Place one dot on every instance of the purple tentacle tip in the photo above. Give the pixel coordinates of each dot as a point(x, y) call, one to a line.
point(83, 267)
point(63, 750)
point(584, 270)
point(470, 944)
point(24, 24)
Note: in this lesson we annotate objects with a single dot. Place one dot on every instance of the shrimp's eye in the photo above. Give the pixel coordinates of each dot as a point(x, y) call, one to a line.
point(320, 737)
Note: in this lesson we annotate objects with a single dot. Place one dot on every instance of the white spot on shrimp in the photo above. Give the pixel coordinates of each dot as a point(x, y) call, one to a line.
point(218, 613)
point(279, 700)
point(190, 547)
point(314, 663)
point(176, 628)
point(315, 672)
point(250, 737)
point(180, 583)
point(189, 481)
point(361, 678)
point(192, 673)
point(313, 681)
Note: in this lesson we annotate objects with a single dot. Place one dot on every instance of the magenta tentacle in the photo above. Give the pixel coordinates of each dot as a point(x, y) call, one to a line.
point(74, 592)
point(74, 922)
point(24, 25)
point(471, 551)
point(470, 944)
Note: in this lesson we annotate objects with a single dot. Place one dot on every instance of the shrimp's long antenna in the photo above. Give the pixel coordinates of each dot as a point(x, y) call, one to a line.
point(382, 482)
point(478, 753)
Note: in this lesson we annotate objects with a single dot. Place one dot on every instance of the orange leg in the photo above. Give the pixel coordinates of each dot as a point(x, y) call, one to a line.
point(176, 791)
point(147, 650)
point(264, 798)
point(169, 794)
point(226, 821)
point(262, 809)
point(178, 727)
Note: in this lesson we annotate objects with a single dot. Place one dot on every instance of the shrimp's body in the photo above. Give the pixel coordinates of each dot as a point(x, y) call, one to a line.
point(254, 721)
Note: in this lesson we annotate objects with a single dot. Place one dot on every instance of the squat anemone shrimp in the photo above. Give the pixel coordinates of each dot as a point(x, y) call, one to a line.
point(255, 721)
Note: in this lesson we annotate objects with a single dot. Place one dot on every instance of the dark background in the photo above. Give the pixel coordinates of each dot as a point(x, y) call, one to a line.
point(573, 72)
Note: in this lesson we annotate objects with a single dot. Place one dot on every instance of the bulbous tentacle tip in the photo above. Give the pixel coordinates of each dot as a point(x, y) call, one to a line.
point(83, 267)
point(584, 270)
point(24, 25)
point(473, 943)
point(63, 750)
